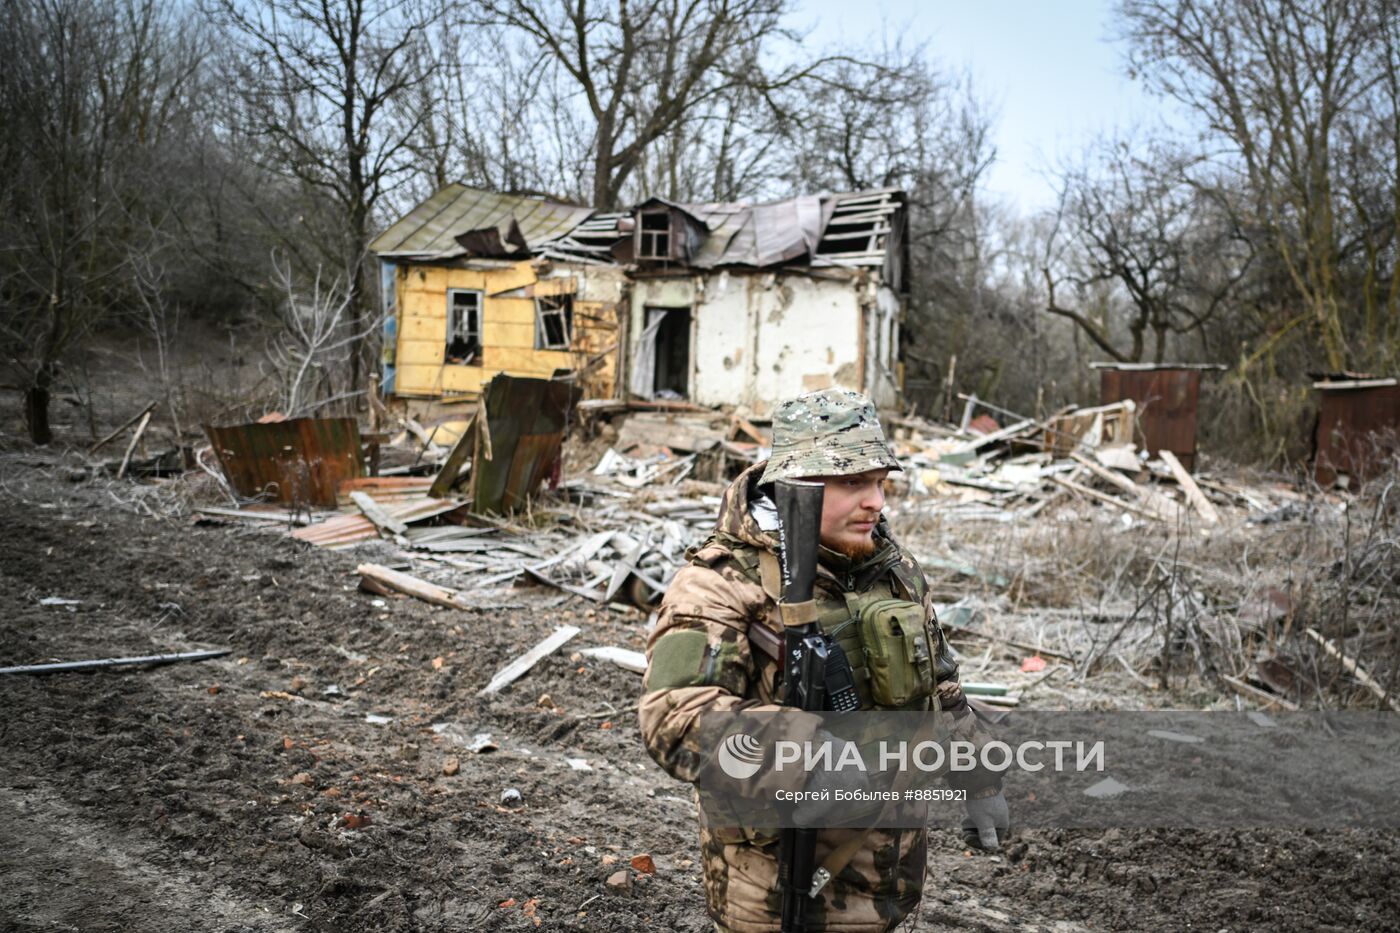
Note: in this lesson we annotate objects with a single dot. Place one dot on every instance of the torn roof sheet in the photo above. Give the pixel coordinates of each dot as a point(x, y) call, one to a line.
point(844, 229)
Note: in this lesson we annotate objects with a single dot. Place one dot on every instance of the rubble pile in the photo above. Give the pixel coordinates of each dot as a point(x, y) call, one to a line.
point(645, 487)
point(620, 531)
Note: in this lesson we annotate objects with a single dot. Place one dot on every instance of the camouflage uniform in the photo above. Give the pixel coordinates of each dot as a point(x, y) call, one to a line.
point(702, 658)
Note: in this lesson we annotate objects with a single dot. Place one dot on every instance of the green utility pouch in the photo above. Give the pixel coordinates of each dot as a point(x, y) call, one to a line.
point(898, 656)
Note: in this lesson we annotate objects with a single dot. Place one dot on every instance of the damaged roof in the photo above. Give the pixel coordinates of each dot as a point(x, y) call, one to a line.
point(862, 228)
point(432, 228)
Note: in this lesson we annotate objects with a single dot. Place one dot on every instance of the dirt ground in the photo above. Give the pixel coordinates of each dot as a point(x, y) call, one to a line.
point(302, 782)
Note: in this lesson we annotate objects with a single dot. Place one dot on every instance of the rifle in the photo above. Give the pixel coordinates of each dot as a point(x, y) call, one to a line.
point(803, 669)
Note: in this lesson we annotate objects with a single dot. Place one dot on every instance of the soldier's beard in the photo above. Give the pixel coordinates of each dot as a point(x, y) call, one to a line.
point(855, 550)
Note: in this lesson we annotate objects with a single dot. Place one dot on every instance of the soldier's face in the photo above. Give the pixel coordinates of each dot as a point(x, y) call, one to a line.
point(850, 509)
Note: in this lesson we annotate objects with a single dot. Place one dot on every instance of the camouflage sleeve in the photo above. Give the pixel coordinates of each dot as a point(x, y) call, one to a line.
point(698, 661)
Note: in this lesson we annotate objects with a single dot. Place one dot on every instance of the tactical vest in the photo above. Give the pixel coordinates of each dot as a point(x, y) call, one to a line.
point(881, 628)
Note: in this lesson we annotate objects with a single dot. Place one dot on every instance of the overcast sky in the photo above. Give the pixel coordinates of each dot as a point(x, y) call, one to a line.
point(1050, 70)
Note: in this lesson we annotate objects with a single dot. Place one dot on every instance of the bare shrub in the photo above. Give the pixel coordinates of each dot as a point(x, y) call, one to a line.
point(1186, 607)
point(311, 354)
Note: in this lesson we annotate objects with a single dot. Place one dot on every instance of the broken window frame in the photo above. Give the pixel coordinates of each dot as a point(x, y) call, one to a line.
point(657, 241)
point(554, 313)
point(472, 334)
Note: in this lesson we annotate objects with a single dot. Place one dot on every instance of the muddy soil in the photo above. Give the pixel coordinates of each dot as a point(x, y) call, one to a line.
point(318, 779)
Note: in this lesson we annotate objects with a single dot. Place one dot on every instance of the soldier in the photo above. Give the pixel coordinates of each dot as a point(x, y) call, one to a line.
point(714, 649)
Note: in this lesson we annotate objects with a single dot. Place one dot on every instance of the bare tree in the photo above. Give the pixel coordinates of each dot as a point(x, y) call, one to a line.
point(330, 90)
point(90, 92)
point(1280, 86)
point(636, 71)
point(1131, 226)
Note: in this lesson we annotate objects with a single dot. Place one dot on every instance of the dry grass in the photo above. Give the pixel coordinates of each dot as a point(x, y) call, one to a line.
point(1183, 608)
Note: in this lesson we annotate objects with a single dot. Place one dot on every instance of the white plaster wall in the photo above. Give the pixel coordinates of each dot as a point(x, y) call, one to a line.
point(722, 341)
point(882, 335)
point(759, 338)
point(808, 337)
point(595, 282)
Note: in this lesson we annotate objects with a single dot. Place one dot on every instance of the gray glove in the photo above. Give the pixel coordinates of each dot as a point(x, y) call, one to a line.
point(986, 817)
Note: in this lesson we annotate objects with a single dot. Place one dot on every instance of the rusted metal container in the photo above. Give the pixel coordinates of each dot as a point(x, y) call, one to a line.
point(301, 461)
point(1358, 428)
point(1167, 396)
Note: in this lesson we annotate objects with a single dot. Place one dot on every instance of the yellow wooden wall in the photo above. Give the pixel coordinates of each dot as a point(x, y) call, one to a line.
point(507, 332)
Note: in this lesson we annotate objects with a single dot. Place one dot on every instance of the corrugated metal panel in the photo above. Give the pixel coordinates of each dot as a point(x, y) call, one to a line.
point(525, 420)
point(430, 228)
point(301, 462)
point(1166, 399)
point(1357, 430)
point(385, 489)
point(342, 531)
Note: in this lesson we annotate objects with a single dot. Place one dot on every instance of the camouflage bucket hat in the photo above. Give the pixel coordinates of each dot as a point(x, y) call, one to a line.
point(834, 432)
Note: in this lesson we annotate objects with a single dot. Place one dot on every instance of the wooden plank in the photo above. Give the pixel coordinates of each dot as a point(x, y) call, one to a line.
point(412, 586)
point(462, 379)
point(1109, 476)
point(452, 467)
point(417, 380)
point(1262, 696)
point(752, 431)
point(126, 424)
point(135, 438)
point(1106, 498)
point(515, 312)
point(628, 660)
point(151, 659)
point(1188, 485)
point(386, 523)
point(517, 668)
point(1019, 427)
point(587, 593)
point(422, 352)
point(1356, 670)
point(280, 517)
point(425, 329)
point(504, 335)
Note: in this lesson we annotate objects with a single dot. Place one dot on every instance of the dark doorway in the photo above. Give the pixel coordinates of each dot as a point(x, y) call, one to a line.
point(672, 352)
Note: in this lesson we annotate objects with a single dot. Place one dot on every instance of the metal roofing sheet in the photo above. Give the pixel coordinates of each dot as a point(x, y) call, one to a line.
point(739, 233)
point(430, 227)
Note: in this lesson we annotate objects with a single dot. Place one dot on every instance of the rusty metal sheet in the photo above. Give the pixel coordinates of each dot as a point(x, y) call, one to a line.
point(301, 461)
point(384, 489)
point(1358, 428)
point(341, 531)
point(1166, 400)
point(525, 421)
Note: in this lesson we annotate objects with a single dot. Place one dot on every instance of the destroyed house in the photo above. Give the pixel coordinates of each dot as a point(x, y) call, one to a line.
point(477, 283)
point(720, 303)
point(748, 304)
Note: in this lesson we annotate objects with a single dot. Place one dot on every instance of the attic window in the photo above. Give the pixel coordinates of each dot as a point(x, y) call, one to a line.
point(554, 322)
point(654, 235)
point(463, 325)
